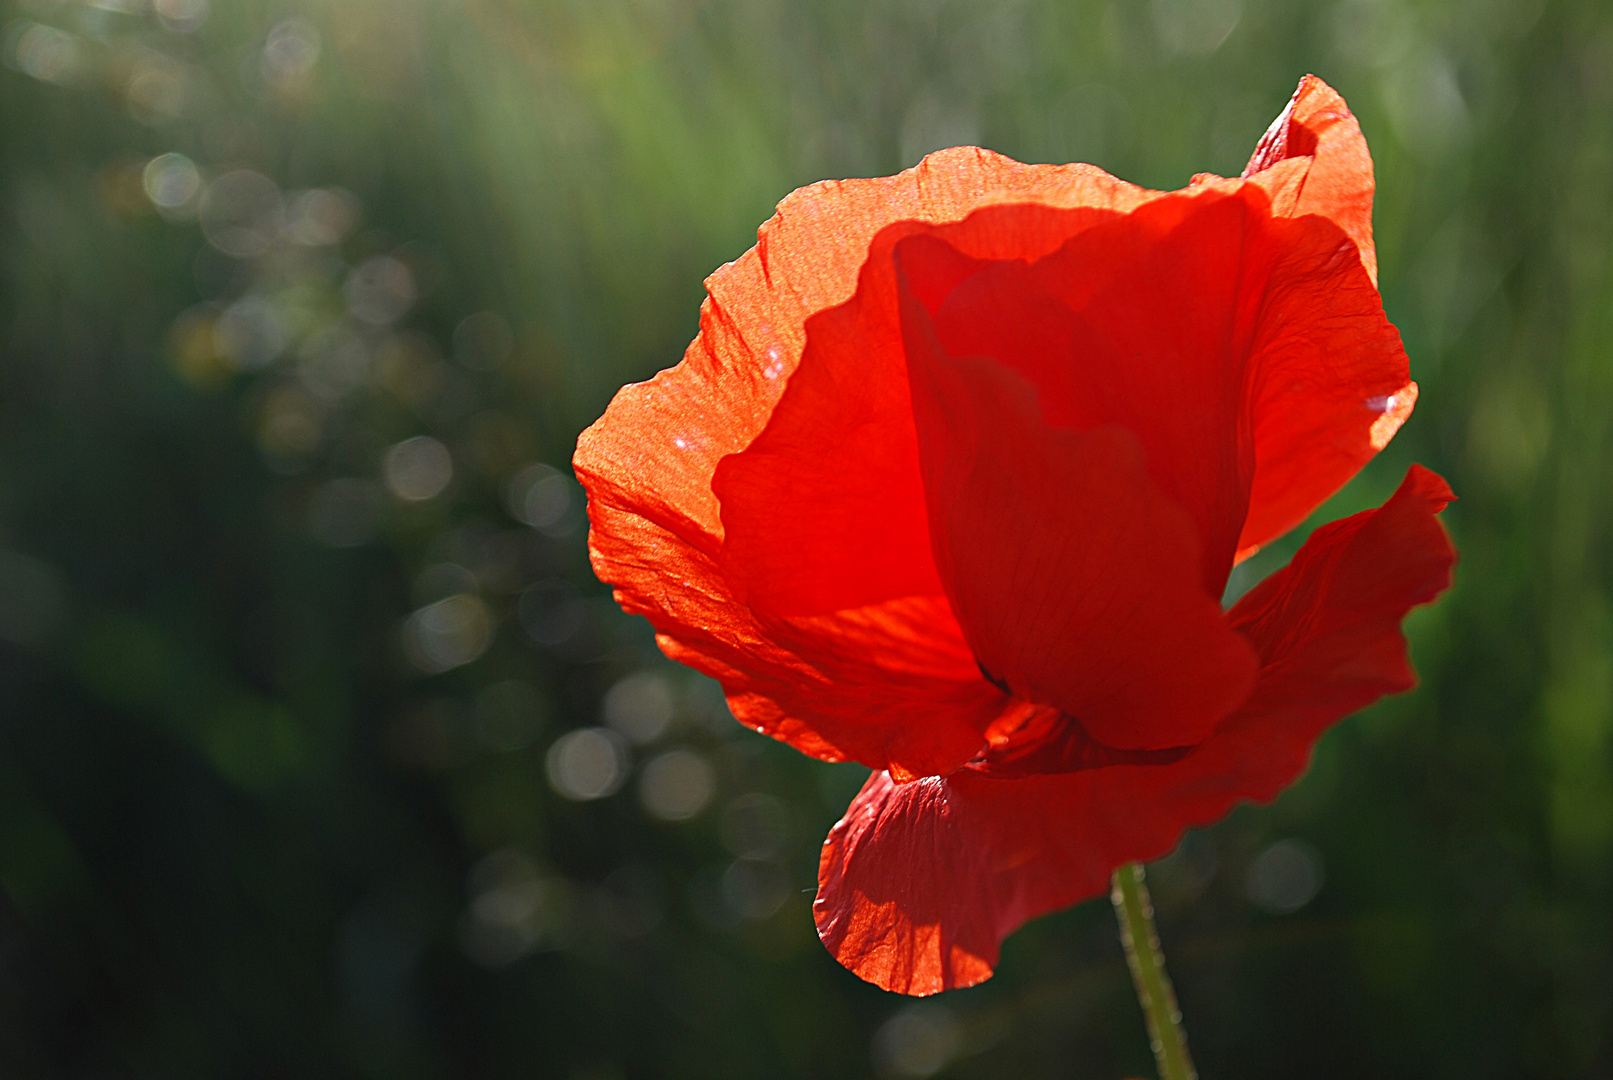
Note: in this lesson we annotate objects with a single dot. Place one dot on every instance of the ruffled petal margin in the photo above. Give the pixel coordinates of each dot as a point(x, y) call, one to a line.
point(1338, 184)
point(1314, 163)
point(919, 883)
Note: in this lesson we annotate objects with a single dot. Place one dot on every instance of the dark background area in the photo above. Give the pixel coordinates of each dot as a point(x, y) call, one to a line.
point(322, 753)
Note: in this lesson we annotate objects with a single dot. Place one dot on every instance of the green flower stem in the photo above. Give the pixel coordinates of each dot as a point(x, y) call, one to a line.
point(1136, 913)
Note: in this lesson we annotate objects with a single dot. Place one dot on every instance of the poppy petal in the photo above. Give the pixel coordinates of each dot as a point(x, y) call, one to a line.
point(766, 629)
point(1333, 390)
point(919, 883)
point(1074, 579)
point(824, 509)
point(1335, 605)
point(1313, 434)
point(1169, 321)
point(891, 685)
point(1337, 182)
point(909, 898)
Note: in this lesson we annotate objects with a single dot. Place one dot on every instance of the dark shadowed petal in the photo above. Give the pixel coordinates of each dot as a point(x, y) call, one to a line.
point(920, 882)
point(1143, 322)
point(825, 510)
point(1075, 580)
point(1242, 351)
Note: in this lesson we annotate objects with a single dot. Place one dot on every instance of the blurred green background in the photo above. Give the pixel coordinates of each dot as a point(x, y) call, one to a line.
point(323, 754)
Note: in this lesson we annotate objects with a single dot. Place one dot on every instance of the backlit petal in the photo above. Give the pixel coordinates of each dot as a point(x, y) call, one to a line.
point(1337, 181)
point(891, 685)
point(829, 565)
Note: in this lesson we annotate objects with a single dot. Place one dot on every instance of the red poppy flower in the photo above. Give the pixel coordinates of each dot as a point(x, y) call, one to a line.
point(951, 481)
